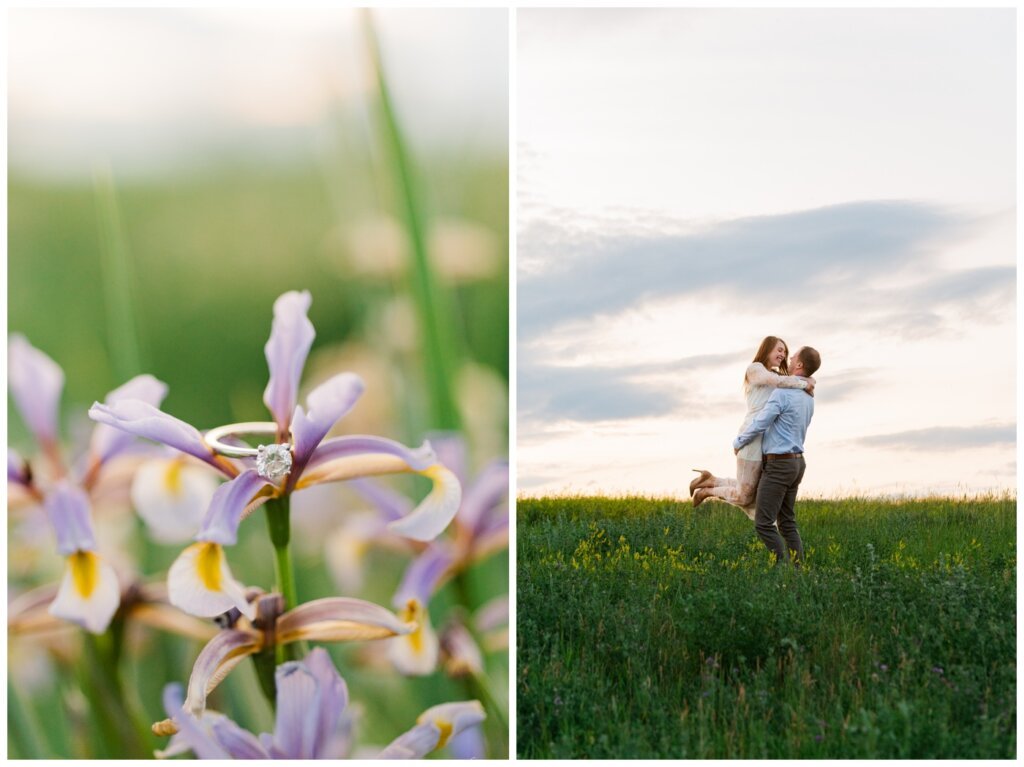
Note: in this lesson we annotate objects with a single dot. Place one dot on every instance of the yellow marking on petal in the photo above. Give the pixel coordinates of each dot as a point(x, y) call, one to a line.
point(414, 613)
point(85, 572)
point(445, 727)
point(172, 477)
point(436, 474)
point(208, 564)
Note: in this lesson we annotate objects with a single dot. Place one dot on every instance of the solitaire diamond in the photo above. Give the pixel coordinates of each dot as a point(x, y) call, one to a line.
point(273, 461)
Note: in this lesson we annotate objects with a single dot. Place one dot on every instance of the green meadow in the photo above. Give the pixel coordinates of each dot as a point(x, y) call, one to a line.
point(649, 629)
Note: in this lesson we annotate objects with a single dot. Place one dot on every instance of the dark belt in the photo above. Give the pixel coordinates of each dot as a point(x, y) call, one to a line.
point(779, 456)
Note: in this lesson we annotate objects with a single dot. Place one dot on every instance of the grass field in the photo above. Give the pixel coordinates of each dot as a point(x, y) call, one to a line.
point(649, 629)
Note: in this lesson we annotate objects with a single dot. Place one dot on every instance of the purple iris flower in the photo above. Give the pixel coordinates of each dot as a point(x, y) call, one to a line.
point(199, 581)
point(89, 593)
point(311, 697)
point(311, 702)
point(480, 529)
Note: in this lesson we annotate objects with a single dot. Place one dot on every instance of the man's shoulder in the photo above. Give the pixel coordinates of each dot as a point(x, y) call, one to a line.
point(788, 394)
point(792, 396)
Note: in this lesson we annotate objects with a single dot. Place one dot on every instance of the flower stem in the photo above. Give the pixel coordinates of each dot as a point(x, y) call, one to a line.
point(483, 688)
point(478, 685)
point(279, 525)
point(124, 735)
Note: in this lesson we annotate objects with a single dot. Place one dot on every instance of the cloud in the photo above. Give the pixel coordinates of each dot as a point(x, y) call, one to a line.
point(590, 393)
point(943, 438)
point(843, 385)
point(840, 253)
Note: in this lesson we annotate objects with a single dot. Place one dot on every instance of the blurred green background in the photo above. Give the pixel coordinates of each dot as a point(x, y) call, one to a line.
point(117, 265)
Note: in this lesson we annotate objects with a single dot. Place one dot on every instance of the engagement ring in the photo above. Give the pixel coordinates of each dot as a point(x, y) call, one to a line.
point(272, 461)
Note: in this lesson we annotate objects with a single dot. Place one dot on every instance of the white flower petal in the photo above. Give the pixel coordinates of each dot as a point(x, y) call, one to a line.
point(431, 517)
point(434, 728)
point(453, 718)
point(171, 496)
point(89, 594)
point(200, 583)
point(415, 654)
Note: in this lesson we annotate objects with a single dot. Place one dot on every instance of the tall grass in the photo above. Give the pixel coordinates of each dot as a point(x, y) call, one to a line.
point(649, 629)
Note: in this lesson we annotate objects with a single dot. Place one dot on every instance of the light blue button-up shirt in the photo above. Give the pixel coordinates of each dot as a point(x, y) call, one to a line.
point(783, 420)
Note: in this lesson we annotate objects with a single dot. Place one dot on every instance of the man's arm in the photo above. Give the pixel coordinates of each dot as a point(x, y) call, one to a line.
point(766, 417)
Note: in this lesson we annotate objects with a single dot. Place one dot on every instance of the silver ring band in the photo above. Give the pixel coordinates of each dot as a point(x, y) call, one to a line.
point(213, 438)
point(273, 461)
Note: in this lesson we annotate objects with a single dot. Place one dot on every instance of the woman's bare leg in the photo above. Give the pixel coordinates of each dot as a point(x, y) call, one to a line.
point(741, 491)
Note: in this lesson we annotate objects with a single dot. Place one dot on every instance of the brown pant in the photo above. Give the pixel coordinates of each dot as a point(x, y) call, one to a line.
point(776, 500)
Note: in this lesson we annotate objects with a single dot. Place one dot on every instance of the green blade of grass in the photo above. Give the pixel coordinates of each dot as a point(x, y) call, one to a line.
point(27, 741)
point(118, 280)
point(432, 304)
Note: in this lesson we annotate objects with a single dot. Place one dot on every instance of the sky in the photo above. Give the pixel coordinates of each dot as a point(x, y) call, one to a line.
point(152, 90)
point(691, 181)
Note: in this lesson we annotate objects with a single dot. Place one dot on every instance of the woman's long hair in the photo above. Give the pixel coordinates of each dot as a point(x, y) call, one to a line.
point(767, 347)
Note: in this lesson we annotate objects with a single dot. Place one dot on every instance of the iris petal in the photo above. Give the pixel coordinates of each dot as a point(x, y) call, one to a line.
point(143, 420)
point(423, 576)
point(333, 699)
point(434, 728)
point(89, 594)
point(326, 404)
point(291, 336)
point(107, 441)
point(200, 583)
point(415, 654)
point(219, 656)
point(436, 511)
point(339, 619)
point(239, 743)
point(227, 506)
point(68, 508)
point(36, 383)
point(17, 469)
point(170, 496)
point(298, 701)
point(488, 492)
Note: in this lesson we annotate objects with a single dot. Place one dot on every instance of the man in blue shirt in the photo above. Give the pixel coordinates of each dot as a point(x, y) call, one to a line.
point(783, 420)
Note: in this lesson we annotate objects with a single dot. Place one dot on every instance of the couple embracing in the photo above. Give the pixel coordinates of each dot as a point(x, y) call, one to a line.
point(770, 446)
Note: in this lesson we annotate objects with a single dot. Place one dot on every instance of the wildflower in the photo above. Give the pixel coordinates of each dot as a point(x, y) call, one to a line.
point(311, 699)
point(480, 528)
point(462, 656)
point(200, 581)
point(146, 603)
point(35, 383)
point(89, 593)
point(491, 620)
point(333, 619)
point(417, 653)
point(170, 495)
point(434, 727)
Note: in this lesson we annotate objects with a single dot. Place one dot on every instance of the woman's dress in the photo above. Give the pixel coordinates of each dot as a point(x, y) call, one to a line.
point(742, 491)
point(759, 384)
